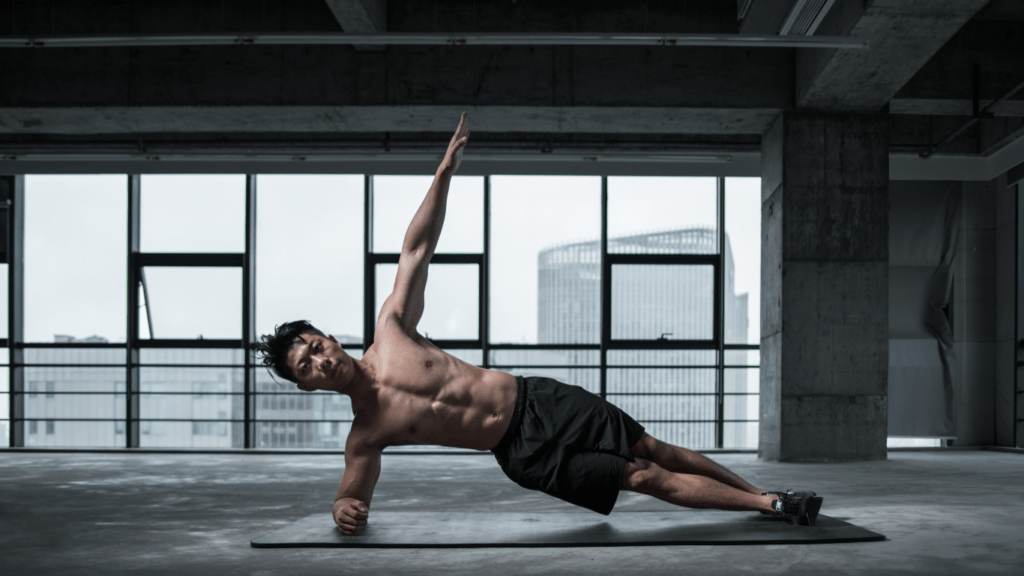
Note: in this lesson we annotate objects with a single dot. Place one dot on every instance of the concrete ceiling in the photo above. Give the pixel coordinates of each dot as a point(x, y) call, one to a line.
point(918, 68)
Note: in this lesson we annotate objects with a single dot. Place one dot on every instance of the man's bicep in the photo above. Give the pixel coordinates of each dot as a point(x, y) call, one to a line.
point(362, 468)
point(406, 299)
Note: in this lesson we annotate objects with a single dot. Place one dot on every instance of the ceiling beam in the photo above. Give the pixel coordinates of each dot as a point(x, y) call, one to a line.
point(953, 107)
point(903, 34)
point(85, 120)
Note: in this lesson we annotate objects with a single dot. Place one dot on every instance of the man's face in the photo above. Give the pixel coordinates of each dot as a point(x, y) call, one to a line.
point(319, 363)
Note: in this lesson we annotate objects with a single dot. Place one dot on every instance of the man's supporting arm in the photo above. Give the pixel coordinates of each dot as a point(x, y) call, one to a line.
point(406, 300)
point(352, 503)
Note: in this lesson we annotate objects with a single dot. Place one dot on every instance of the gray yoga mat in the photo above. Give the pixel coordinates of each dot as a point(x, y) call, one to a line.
point(523, 529)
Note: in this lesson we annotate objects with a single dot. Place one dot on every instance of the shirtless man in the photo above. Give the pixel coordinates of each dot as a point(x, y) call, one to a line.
point(545, 435)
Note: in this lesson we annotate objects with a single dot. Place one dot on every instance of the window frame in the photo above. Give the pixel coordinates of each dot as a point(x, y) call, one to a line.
point(137, 260)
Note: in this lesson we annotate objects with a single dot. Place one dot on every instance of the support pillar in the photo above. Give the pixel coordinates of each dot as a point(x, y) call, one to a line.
point(824, 287)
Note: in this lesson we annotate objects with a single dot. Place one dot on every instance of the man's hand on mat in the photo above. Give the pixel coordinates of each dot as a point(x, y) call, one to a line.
point(453, 157)
point(350, 515)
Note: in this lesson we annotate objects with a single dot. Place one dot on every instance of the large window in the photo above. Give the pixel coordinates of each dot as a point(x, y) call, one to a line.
point(742, 293)
point(545, 260)
point(309, 253)
point(70, 386)
point(75, 250)
point(142, 295)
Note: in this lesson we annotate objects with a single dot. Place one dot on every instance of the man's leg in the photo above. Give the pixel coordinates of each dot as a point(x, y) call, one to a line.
point(690, 490)
point(680, 460)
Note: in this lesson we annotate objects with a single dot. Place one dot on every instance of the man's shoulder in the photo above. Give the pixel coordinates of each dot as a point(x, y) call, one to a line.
point(390, 336)
point(361, 440)
point(390, 327)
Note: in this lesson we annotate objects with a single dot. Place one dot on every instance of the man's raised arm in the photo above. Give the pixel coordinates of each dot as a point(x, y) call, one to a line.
point(406, 300)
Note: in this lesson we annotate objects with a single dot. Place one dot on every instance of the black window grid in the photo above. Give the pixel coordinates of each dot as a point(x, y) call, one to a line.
point(249, 394)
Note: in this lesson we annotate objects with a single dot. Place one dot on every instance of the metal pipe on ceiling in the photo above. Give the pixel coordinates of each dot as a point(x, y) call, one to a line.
point(436, 39)
point(985, 112)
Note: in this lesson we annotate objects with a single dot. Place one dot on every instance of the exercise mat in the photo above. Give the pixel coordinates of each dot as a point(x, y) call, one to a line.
point(388, 529)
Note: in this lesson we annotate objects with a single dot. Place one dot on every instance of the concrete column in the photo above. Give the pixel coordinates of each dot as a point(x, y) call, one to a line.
point(824, 287)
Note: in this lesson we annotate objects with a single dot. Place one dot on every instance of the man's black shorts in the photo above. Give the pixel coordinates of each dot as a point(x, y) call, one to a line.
point(567, 442)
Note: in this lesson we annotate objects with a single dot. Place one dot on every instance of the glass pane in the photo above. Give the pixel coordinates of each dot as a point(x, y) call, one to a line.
point(328, 264)
point(196, 406)
point(40, 381)
point(741, 407)
point(192, 381)
point(545, 259)
point(192, 302)
point(652, 301)
point(79, 406)
point(191, 434)
point(3, 300)
point(589, 378)
point(662, 380)
point(545, 358)
point(304, 406)
point(5, 356)
point(739, 435)
point(5, 424)
point(56, 433)
point(191, 356)
point(695, 436)
point(474, 357)
point(662, 215)
point(662, 408)
point(396, 199)
point(742, 357)
point(742, 380)
point(662, 357)
point(99, 356)
point(193, 213)
point(742, 305)
point(76, 230)
point(302, 434)
point(5, 405)
point(452, 300)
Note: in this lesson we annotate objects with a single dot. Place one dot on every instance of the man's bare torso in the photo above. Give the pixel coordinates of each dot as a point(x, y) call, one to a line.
point(426, 396)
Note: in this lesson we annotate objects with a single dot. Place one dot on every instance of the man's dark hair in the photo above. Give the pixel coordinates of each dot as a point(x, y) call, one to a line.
point(274, 347)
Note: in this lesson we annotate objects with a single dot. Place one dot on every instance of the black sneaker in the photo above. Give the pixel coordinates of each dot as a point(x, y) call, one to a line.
point(778, 493)
point(798, 507)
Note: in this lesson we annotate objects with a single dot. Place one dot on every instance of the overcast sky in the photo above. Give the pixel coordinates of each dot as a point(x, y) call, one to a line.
point(309, 247)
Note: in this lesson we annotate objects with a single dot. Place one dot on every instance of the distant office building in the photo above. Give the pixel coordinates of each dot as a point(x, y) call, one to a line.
point(671, 391)
point(75, 396)
point(187, 397)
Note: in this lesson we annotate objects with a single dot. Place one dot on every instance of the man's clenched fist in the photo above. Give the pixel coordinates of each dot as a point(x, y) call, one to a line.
point(350, 515)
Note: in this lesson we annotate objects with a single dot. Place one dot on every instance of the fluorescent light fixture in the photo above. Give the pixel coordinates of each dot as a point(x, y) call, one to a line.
point(433, 39)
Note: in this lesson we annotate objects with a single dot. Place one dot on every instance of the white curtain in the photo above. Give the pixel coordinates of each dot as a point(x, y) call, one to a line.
point(924, 226)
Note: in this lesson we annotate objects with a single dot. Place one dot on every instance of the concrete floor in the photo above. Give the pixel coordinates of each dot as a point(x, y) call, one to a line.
point(957, 512)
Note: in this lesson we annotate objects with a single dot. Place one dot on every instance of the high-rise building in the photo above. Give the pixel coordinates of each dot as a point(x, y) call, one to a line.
point(673, 392)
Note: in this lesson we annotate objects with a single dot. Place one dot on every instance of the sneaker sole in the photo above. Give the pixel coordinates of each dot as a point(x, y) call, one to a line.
point(810, 512)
